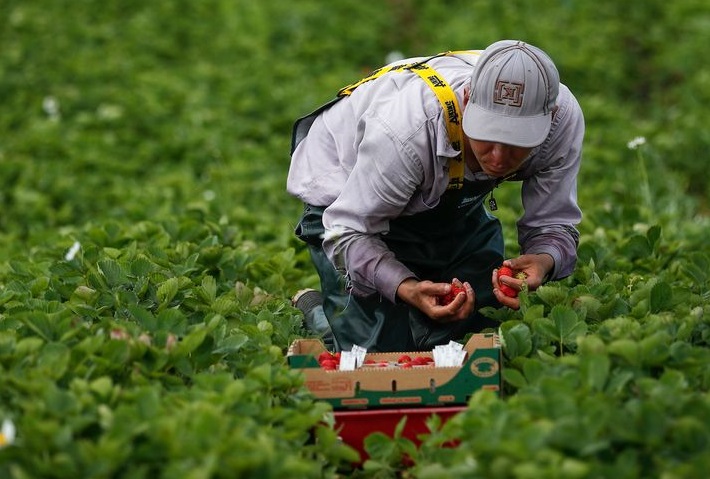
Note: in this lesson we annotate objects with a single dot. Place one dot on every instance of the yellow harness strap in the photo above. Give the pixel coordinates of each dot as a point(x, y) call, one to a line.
point(447, 99)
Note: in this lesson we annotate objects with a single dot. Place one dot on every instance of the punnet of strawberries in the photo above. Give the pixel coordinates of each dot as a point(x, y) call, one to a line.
point(331, 361)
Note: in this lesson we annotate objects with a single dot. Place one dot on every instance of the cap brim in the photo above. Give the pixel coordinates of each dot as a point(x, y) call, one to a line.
point(526, 132)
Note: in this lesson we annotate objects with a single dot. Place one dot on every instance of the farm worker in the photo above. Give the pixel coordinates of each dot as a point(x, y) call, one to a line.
point(395, 173)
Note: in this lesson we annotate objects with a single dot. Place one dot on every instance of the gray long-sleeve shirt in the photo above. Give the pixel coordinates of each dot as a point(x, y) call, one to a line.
point(383, 152)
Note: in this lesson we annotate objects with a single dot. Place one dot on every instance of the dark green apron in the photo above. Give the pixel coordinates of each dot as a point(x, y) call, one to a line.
point(457, 239)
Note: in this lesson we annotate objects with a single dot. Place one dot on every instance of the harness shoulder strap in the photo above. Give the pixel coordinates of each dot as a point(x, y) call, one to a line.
point(441, 89)
point(452, 111)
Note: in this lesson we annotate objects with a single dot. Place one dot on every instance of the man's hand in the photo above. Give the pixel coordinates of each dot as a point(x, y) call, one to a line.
point(424, 295)
point(535, 266)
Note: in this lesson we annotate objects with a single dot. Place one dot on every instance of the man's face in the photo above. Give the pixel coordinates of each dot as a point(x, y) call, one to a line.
point(498, 159)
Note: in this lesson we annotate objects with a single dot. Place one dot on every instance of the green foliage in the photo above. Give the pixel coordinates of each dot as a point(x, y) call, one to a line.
point(147, 253)
point(156, 358)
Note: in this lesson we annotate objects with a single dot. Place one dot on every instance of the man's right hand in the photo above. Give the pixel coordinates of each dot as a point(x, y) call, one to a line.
point(424, 295)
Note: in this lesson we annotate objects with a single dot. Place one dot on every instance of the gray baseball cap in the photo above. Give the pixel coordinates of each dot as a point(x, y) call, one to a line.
point(514, 89)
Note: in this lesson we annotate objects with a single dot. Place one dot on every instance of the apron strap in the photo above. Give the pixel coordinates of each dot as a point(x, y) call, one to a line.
point(444, 93)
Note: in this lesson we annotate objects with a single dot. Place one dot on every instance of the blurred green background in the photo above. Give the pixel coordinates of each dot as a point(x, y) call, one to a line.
point(142, 110)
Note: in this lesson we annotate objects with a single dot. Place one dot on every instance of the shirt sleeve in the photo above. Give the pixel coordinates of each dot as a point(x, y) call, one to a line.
point(378, 189)
point(550, 195)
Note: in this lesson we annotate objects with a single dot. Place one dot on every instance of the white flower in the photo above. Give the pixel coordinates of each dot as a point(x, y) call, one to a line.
point(636, 142)
point(50, 105)
point(72, 251)
point(7, 433)
point(209, 195)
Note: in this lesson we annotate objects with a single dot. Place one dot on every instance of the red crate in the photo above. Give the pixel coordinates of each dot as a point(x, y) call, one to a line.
point(355, 425)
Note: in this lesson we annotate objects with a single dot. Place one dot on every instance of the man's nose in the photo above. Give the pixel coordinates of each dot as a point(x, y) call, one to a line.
point(500, 153)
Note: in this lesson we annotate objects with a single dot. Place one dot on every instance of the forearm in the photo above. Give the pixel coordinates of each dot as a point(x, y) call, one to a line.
point(370, 266)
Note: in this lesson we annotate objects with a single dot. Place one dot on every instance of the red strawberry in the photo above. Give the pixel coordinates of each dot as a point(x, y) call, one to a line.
point(329, 364)
point(507, 290)
point(420, 361)
point(325, 356)
point(456, 288)
point(506, 271)
point(504, 288)
point(405, 358)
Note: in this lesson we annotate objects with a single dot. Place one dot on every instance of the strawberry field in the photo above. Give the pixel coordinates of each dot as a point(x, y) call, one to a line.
point(147, 255)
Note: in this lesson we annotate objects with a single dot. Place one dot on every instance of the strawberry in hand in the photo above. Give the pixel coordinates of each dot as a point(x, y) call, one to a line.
point(504, 288)
point(456, 288)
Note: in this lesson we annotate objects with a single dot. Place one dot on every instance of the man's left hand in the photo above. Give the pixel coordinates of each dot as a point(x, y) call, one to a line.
point(536, 268)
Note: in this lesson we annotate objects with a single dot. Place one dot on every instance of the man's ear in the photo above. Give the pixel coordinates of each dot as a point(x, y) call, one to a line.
point(466, 95)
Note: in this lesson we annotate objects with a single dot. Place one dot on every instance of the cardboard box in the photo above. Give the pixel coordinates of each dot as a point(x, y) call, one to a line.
point(377, 387)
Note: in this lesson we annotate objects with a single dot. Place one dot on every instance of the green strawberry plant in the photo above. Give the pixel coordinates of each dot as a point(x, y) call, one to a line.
point(147, 253)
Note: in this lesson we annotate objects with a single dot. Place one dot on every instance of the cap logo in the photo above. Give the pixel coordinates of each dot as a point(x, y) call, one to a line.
point(508, 93)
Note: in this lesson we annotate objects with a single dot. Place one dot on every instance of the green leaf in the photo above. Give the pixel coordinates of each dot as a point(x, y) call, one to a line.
point(568, 325)
point(54, 359)
point(143, 317)
point(533, 369)
point(661, 297)
point(103, 386)
point(690, 434)
point(618, 380)
point(173, 321)
point(594, 369)
point(208, 290)
point(653, 234)
point(399, 428)
point(533, 312)
point(6, 296)
point(546, 328)
point(40, 324)
point(636, 247)
point(116, 352)
point(589, 304)
point(514, 378)
point(190, 342)
point(654, 349)
point(39, 285)
point(112, 272)
point(225, 305)
point(552, 294)
point(231, 344)
point(517, 340)
point(148, 402)
point(142, 266)
point(7, 343)
point(591, 344)
point(627, 349)
point(167, 291)
point(698, 268)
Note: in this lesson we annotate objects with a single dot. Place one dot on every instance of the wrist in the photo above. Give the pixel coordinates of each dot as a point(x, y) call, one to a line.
point(547, 263)
point(403, 289)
